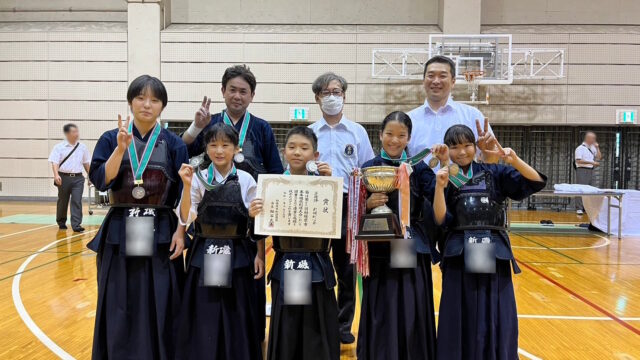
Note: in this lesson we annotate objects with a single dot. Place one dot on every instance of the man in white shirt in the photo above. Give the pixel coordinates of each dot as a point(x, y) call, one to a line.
point(345, 145)
point(67, 159)
point(439, 112)
point(587, 157)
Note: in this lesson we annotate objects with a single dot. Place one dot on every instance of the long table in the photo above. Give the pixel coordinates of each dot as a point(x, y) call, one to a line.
point(606, 193)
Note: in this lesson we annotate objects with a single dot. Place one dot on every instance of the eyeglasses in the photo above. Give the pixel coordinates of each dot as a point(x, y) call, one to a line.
point(334, 92)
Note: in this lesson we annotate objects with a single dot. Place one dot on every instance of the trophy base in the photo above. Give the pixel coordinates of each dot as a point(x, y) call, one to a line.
point(379, 227)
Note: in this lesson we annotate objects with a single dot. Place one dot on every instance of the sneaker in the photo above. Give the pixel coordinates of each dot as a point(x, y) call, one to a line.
point(579, 212)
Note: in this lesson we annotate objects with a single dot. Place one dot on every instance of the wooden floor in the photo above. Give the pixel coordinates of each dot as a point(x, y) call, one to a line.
point(578, 295)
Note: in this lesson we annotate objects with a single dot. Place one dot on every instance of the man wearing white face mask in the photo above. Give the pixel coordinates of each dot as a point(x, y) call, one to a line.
point(343, 144)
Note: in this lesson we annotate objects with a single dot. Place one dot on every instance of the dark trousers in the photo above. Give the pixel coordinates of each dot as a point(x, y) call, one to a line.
point(346, 276)
point(584, 176)
point(71, 188)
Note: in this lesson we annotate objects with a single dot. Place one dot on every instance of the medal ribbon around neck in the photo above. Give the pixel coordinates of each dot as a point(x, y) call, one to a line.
point(243, 128)
point(138, 166)
point(210, 182)
point(403, 158)
point(461, 179)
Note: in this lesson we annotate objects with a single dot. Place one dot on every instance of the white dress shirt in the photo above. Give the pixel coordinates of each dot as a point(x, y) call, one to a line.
point(344, 146)
point(75, 163)
point(586, 153)
point(247, 188)
point(429, 126)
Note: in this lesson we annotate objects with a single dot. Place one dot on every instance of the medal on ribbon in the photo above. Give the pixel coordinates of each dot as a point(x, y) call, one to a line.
point(239, 157)
point(138, 165)
point(459, 179)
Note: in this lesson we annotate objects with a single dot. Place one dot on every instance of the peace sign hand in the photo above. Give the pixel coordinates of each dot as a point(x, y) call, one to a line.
point(124, 136)
point(483, 135)
point(203, 117)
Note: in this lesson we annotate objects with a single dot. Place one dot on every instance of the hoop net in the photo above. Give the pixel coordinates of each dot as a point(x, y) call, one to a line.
point(473, 80)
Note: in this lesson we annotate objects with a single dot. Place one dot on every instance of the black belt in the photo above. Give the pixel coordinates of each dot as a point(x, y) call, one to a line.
point(69, 174)
point(295, 244)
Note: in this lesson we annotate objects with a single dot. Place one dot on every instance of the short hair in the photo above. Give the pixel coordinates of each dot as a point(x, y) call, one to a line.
point(589, 132)
point(239, 71)
point(303, 131)
point(67, 127)
point(400, 117)
point(459, 134)
point(440, 59)
point(325, 79)
point(221, 131)
point(146, 82)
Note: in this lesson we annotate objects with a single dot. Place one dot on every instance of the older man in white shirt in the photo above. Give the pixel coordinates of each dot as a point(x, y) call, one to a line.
point(345, 145)
point(587, 157)
point(68, 159)
point(439, 112)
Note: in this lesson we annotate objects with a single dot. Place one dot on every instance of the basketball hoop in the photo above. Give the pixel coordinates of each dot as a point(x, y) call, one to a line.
point(472, 78)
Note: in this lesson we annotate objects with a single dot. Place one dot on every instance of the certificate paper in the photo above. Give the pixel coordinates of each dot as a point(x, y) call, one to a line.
point(301, 206)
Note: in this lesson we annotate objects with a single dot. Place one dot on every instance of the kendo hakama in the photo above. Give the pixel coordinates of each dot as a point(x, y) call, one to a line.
point(309, 332)
point(478, 316)
point(138, 297)
point(220, 322)
point(397, 320)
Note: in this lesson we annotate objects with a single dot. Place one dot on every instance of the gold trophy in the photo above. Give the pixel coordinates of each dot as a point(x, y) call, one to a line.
point(381, 224)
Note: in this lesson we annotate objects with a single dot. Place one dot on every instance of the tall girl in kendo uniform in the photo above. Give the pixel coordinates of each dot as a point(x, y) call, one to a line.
point(478, 317)
point(139, 259)
point(218, 317)
point(303, 328)
point(397, 319)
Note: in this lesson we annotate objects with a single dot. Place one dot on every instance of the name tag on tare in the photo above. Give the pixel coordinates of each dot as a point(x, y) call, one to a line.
point(297, 281)
point(139, 230)
point(218, 265)
point(479, 252)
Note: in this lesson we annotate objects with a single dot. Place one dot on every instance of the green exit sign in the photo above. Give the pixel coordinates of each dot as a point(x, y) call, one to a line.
point(298, 113)
point(627, 116)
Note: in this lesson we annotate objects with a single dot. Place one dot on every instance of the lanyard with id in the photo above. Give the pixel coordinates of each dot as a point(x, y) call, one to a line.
point(140, 232)
point(217, 268)
point(239, 157)
point(296, 282)
point(479, 252)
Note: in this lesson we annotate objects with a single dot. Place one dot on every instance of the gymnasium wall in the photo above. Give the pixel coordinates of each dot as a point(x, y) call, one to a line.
point(53, 72)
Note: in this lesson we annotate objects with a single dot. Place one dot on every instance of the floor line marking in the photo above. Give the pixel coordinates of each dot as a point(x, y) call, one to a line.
point(528, 355)
point(22, 311)
point(574, 317)
point(24, 231)
point(46, 252)
point(606, 242)
point(583, 299)
point(550, 249)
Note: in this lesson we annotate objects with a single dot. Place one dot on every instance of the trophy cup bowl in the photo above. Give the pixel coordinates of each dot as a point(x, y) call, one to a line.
point(380, 179)
point(381, 224)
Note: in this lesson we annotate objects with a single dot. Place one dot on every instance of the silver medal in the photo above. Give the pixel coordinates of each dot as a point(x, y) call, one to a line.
point(239, 157)
point(433, 162)
point(196, 160)
point(138, 192)
point(312, 167)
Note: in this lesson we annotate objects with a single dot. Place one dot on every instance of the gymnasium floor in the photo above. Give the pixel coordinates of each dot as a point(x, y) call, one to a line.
point(578, 295)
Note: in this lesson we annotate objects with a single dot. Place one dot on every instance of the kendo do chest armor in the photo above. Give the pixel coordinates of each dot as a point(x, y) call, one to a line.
point(475, 208)
point(157, 180)
point(222, 214)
